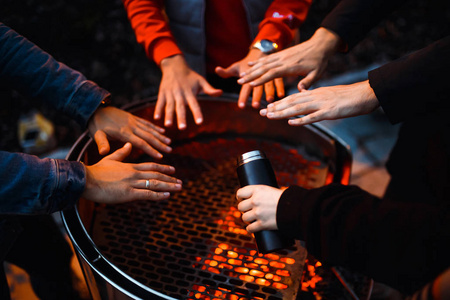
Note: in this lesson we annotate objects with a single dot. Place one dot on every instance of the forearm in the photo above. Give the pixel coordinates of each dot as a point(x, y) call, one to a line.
point(414, 84)
point(151, 28)
point(353, 19)
point(29, 185)
point(344, 225)
point(39, 75)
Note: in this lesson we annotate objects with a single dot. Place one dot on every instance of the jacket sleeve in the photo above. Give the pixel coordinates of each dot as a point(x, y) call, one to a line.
point(414, 84)
point(29, 185)
point(353, 19)
point(282, 19)
point(151, 28)
point(400, 244)
point(37, 74)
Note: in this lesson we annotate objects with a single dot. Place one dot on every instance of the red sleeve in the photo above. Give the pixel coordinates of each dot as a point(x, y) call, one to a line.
point(150, 26)
point(282, 19)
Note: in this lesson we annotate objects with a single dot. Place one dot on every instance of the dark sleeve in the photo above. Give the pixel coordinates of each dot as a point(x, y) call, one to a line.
point(414, 84)
point(30, 185)
point(37, 74)
point(353, 19)
point(401, 244)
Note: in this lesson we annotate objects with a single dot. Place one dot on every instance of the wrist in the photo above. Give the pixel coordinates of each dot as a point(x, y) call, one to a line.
point(174, 61)
point(329, 41)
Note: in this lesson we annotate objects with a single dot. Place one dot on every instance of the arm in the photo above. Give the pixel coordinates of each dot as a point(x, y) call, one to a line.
point(29, 185)
point(346, 226)
point(342, 29)
point(405, 88)
point(179, 83)
point(282, 19)
point(36, 73)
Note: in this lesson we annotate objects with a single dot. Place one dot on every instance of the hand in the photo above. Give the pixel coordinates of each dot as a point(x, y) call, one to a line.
point(123, 126)
point(111, 181)
point(325, 103)
point(308, 59)
point(258, 203)
point(180, 86)
point(269, 87)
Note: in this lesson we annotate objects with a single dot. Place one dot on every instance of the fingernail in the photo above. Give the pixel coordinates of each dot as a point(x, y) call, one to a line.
point(270, 105)
point(241, 105)
point(168, 149)
point(263, 112)
point(178, 186)
point(157, 117)
point(269, 115)
point(179, 181)
point(168, 123)
point(166, 194)
point(199, 120)
point(182, 126)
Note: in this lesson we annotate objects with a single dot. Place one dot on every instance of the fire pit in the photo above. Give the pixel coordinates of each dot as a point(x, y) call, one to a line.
point(194, 245)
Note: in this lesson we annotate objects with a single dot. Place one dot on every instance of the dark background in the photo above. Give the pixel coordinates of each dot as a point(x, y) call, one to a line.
point(95, 38)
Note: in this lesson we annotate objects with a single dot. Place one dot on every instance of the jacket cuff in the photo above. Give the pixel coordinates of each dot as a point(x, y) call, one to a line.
point(85, 102)
point(289, 206)
point(162, 48)
point(71, 181)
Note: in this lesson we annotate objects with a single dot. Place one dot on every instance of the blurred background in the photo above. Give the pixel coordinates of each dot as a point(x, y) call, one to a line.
point(95, 37)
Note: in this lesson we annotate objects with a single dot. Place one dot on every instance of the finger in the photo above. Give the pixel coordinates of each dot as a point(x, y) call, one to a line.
point(150, 139)
point(121, 153)
point(279, 85)
point(231, 71)
point(151, 175)
point(254, 227)
point(180, 107)
point(269, 89)
point(244, 193)
point(146, 123)
point(152, 133)
point(195, 108)
point(307, 81)
point(244, 94)
point(169, 111)
point(154, 167)
point(143, 145)
point(159, 108)
point(158, 185)
point(257, 95)
point(210, 90)
point(245, 205)
point(308, 119)
point(102, 142)
point(143, 194)
point(248, 217)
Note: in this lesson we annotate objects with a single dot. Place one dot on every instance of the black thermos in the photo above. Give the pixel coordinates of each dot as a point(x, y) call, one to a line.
point(254, 168)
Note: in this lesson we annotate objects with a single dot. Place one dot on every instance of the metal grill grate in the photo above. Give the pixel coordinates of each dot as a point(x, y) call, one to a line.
point(194, 245)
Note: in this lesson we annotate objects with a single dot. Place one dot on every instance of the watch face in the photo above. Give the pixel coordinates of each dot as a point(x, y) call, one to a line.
point(266, 46)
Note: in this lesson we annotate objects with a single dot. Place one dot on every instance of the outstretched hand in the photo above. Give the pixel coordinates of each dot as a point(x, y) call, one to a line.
point(270, 87)
point(325, 103)
point(179, 87)
point(112, 181)
point(308, 59)
point(123, 126)
point(258, 204)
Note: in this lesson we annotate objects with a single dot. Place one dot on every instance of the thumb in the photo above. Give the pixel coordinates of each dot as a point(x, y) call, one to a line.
point(209, 90)
point(231, 71)
point(306, 82)
point(121, 153)
point(102, 142)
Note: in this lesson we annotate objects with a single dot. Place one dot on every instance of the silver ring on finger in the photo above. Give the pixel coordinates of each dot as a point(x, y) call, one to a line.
point(147, 184)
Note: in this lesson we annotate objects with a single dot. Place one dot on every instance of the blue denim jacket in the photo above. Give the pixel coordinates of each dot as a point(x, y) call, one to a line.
point(29, 185)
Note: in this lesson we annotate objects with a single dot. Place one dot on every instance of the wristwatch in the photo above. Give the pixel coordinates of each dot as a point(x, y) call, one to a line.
point(265, 46)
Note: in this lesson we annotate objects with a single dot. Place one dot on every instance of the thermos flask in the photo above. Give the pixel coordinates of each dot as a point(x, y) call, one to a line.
point(254, 168)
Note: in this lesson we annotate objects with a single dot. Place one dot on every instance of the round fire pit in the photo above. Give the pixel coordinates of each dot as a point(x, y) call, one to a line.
point(194, 245)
